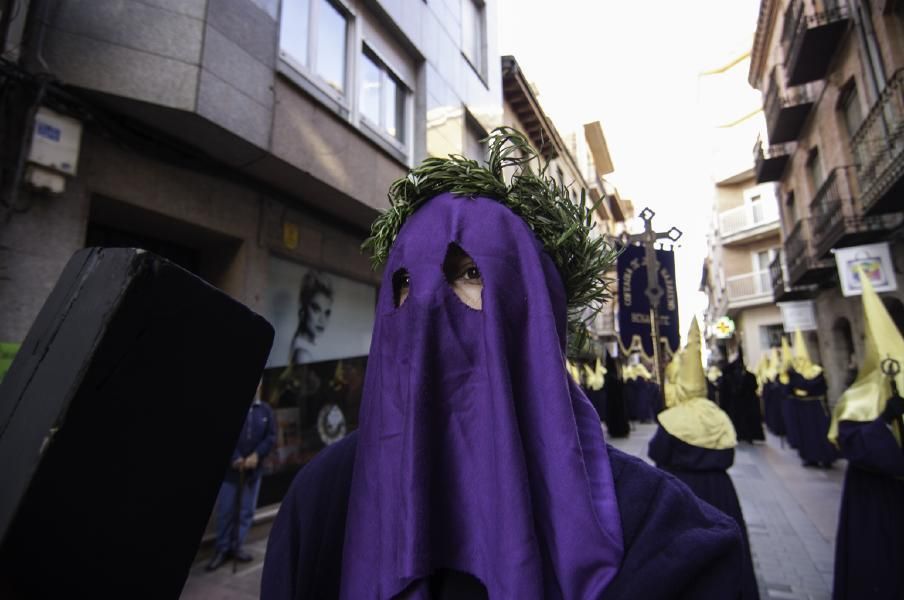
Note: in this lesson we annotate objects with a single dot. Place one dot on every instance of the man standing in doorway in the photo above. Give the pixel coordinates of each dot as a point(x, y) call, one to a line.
point(243, 479)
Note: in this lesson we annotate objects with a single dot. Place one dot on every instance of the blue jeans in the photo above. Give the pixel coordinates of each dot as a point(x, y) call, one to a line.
point(226, 540)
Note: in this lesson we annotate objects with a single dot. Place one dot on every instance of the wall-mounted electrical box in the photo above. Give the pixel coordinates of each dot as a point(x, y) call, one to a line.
point(55, 141)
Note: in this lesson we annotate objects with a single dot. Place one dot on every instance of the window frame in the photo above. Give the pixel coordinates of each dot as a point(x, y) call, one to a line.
point(478, 63)
point(386, 73)
point(849, 96)
point(308, 71)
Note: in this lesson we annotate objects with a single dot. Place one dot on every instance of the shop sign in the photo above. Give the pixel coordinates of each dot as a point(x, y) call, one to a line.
point(724, 328)
point(874, 260)
point(798, 315)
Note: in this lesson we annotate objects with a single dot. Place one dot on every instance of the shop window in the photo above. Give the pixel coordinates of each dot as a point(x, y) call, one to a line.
point(473, 34)
point(382, 97)
point(313, 39)
point(771, 336)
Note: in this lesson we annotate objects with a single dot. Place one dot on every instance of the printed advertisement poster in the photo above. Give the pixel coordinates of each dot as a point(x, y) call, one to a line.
point(315, 373)
point(874, 260)
point(317, 315)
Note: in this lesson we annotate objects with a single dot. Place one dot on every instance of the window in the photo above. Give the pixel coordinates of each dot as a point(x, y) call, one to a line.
point(849, 105)
point(771, 336)
point(382, 97)
point(474, 145)
point(756, 208)
point(473, 34)
point(791, 206)
point(814, 170)
point(312, 37)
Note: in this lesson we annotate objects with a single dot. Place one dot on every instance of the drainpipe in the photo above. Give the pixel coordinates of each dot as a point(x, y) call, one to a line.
point(869, 44)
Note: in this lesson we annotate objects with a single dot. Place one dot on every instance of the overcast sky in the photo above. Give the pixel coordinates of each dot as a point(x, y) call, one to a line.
point(634, 66)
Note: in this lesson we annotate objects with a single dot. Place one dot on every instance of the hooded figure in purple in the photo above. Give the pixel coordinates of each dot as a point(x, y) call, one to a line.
point(479, 469)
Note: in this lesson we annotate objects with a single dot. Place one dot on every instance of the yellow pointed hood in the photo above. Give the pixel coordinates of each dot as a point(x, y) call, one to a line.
point(865, 399)
point(801, 360)
point(694, 419)
point(635, 371)
point(786, 361)
point(671, 377)
point(594, 377)
point(773, 369)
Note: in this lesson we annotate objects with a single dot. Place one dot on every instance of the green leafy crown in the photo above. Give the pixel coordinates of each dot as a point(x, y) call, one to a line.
point(563, 226)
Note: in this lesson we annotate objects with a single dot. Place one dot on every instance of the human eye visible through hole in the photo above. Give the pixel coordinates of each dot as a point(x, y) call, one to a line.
point(401, 285)
point(463, 276)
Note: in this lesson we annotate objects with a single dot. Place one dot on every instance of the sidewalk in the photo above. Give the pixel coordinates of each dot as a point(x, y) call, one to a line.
point(791, 514)
point(222, 584)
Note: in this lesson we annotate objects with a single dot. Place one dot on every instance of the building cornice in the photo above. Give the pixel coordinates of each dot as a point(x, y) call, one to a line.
point(760, 51)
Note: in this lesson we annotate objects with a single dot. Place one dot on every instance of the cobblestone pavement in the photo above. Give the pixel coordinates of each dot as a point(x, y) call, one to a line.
point(791, 514)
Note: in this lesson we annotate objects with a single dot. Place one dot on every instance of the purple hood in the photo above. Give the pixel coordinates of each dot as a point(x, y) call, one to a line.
point(477, 451)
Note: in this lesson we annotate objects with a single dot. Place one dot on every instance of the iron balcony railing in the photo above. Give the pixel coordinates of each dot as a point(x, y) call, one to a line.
point(878, 145)
point(802, 15)
point(805, 267)
point(769, 162)
point(833, 205)
point(786, 108)
point(838, 217)
point(777, 275)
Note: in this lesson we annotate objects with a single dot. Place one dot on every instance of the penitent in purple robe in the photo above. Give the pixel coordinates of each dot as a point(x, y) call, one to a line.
point(480, 469)
point(811, 418)
point(676, 546)
point(704, 471)
point(642, 397)
point(869, 548)
point(773, 397)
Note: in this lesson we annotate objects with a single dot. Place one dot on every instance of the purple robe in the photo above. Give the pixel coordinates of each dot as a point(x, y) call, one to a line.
point(677, 547)
point(737, 397)
point(479, 463)
point(772, 407)
point(811, 418)
point(869, 548)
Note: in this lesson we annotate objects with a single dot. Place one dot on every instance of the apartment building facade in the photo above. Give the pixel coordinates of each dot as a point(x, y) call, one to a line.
point(743, 235)
point(832, 77)
point(578, 161)
point(250, 141)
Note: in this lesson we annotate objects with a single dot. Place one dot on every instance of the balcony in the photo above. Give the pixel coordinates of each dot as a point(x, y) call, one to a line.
point(748, 223)
point(769, 164)
point(748, 289)
point(780, 292)
point(804, 266)
point(787, 109)
point(815, 29)
point(837, 216)
point(878, 148)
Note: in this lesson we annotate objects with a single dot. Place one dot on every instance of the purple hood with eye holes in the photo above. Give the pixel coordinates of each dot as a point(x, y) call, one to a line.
point(477, 452)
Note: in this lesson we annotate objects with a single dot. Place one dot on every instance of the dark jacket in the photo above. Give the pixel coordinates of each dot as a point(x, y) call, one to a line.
point(258, 434)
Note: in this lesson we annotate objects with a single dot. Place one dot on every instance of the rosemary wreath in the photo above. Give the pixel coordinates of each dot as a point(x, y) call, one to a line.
point(564, 227)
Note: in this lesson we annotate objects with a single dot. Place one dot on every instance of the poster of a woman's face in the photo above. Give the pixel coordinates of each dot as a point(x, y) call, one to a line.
point(317, 315)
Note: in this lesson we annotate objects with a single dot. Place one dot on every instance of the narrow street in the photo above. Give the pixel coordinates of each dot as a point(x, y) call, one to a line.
point(791, 513)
